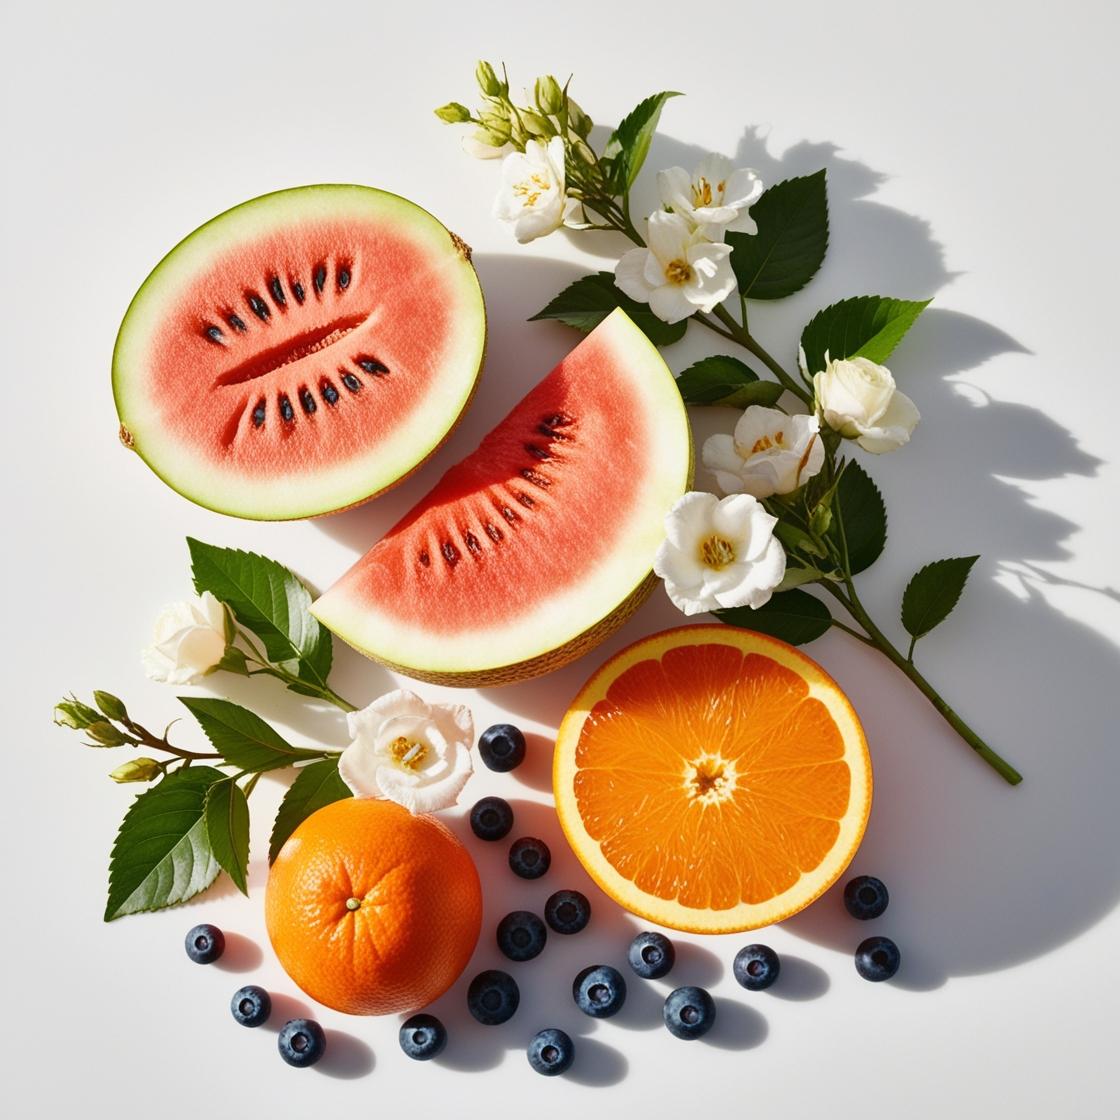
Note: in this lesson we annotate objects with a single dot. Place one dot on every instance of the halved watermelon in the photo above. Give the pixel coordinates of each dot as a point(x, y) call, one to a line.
point(300, 352)
point(539, 544)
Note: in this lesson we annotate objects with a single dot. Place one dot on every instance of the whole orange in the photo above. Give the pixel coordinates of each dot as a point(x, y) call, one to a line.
point(373, 910)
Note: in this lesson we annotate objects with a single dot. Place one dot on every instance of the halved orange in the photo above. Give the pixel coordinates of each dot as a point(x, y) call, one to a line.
point(711, 779)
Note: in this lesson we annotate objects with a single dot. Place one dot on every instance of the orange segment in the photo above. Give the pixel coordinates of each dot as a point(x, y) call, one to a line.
point(712, 779)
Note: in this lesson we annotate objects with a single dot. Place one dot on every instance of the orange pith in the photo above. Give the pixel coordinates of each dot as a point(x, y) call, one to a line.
point(712, 779)
point(372, 910)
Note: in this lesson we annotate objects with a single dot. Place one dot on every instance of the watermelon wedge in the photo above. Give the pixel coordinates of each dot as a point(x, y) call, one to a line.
point(539, 544)
point(301, 352)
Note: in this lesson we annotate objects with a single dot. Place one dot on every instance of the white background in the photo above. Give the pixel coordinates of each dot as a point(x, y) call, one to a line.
point(971, 154)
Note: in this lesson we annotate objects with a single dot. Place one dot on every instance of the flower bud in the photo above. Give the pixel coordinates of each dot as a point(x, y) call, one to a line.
point(136, 770)
point(73, 713)
point(496, 125)
point(453, 113)
point(582, 152)
point(579, 120)
point(536, 125)
point(821, 519)
point(110, 706)
point(548, 95)
point(488, 81)
point(104, 734)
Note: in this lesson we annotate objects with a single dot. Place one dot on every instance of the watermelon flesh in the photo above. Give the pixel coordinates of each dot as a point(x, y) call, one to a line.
point(301, 352)
point(539, 543)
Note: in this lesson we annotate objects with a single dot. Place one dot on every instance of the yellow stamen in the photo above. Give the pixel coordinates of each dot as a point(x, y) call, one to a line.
point(717, 552)
point(678, 272)
point(776, 440)
point(531, 189)
point(702, 192)
point(407, 752)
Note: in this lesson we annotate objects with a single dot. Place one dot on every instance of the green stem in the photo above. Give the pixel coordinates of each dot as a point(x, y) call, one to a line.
point(323, 691)
point(854, 633)
point(738, 333)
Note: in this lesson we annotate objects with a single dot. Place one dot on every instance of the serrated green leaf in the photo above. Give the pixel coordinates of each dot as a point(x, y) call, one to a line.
point(269, 600)
point(242, 737)
point(757, 392)
point(864, 516)
point(793, 616)
point(933, 592)
point(162, 853)
point(723, 380)
point(227, 828)
point(628, 145)
point(787, 251)
point(316, 785)
point(864, 326)
point(585, 303)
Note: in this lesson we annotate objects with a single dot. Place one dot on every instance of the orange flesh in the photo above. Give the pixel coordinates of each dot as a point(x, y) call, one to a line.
point(711, 777)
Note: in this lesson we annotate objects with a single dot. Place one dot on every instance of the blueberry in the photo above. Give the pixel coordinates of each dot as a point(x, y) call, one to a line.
point(492, 997)
point(877, 958)
point(689, 1012)
point(567, 911)
point(502, 747)
point(651, 955)
point(551, 1051)
point(491, 818)
point(301, 1042)
point(599, 991)
point(205, 944)
point(529, 857)
point(251, 1005)
point(521, 935)
point(423, 1037)
point(756, 967)
point(866, 897)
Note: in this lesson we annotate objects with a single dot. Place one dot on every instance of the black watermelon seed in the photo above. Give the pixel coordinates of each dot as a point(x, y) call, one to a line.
point(509, 514)
point(536, 478)
point(526, 501)
point(537, 452)
point(552, 433)
point(258, 414)
point(236, 322)
point(260, 308)
point(320, 280)
point(472, 544)
point(425, 559)
point(287, 413)
point(307, 400)
point(372, 365)
point(277, 292)
point(351, 382)
point(344, 277)
point(493, 532)
point(450, 553)
point(213, 333)
point(557, 420)
point(330, 393)
point(297, 291)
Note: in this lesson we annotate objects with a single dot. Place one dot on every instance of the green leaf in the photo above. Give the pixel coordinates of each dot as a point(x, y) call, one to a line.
point(865, 517)
point(794, 538)
point(270, 601)
point(162, 853)
point(933, 592)
point(793, 616)
point(865, 326)
point(797, 577)
point(724, 380)
point(316, 785)
point(242, 738)
point(585, 303)
point(629, 144)
point(227, 827)
point(792, 220)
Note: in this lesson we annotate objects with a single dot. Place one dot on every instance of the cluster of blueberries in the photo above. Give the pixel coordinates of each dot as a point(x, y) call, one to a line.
point(598, 990)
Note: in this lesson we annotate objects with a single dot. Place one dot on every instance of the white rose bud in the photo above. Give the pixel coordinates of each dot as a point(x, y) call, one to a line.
point(857, 398)
point(190, 640)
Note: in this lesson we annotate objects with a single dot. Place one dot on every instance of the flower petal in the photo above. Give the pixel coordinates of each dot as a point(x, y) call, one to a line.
point(690, 519)
point(358, 767)
point(629, 274)
point(719, 454)
point(670, 303)
point(667, 236)
point(675, 188)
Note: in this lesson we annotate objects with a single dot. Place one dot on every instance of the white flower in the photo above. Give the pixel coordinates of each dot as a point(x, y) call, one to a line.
point(715, 198)
point(858, 399)
point(532, 192)
point(681, 272)
point(770, 453)
point(190, 639)
point(413, 753)
point(478, 144)
point(719, 553)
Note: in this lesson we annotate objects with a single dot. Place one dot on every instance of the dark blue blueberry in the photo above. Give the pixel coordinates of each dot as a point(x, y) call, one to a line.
point(756, 967)
point(521, 935)
point(651, 955)
point(877, 958)
point(205, 944)
point(866, 897)
point(599, 991)
point(491, 818)
point(529, 857)
point(301, 1042)
point(251, 1005)
point(551, 1051)
point(567, 911)
point(423, 1037)
point(502, 747)
point(689, 1012)
point(492, 997)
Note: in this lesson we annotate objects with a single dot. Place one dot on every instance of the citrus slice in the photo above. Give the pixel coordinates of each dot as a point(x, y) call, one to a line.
point(712, 779)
